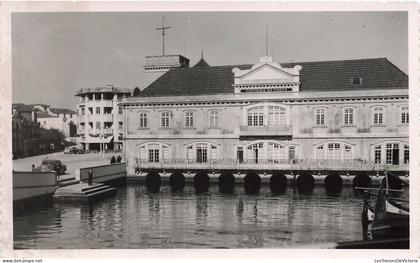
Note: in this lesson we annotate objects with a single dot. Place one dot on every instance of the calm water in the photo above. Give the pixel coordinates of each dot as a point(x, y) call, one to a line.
point(135, 218)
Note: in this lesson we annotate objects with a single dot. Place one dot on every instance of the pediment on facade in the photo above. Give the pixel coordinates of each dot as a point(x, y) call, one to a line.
point(266, 74)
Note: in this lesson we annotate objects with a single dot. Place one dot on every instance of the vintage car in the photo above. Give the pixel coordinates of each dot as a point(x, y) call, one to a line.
point(73, 150)
point(53, 165)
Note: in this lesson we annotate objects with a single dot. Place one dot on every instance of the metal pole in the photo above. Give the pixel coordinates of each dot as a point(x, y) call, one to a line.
point(266, 39)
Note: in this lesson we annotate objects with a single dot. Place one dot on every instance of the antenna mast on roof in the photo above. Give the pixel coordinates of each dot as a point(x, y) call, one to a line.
point(163, 28)
point(266, 39)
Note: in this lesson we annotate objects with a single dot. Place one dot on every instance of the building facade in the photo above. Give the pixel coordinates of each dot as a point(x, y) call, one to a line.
point(99, 118)
point(60, 119)
point(271, 115)
point(28, 137)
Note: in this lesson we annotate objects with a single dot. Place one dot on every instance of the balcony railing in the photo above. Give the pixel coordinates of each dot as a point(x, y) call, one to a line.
point(269, 164)
point(266, 130)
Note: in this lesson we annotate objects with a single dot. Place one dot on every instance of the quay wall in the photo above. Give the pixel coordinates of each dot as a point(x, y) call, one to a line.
point(104, 173)
point(28, 185)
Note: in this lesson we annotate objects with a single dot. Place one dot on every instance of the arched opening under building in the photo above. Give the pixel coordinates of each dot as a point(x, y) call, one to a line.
point(226, 182)
point(362, 180)
point(177, 181)
point(333, 183)
point(153, 181)
point(252, 183)
point(201, 182)
point(278, 183)
point(305, 183)
point(393, 182)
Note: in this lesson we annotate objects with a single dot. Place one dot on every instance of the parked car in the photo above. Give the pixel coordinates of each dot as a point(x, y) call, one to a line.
point(54, 165)
point(73, 150)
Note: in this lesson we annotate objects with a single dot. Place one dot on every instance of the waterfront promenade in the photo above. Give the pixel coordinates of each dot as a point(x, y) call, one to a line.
point(72, 161)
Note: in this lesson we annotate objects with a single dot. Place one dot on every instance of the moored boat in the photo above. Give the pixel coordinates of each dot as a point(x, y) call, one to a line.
point(389, 216)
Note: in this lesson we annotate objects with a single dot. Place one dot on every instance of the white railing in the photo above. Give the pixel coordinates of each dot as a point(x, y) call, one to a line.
point(266, 129)
point(301, 164)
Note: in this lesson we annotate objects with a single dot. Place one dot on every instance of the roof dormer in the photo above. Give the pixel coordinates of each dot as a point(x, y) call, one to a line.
point(266, 76)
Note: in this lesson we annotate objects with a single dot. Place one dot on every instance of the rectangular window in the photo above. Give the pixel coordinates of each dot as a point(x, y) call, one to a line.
point(320, 116)
point(214, 119)
point(256, 116)
point(165, 119)
point(404, 115)
point(189, 119)
point(378, 154)
point(348, 116)
point(98, 125)
point(120, 110)
point(190, 154)
point(333, 151)
point(98, 110)
point(320, 153)
point(276, 116)
point(378, 115)
point(153, 155)
point(143, 120)
point(107, 110)
point(347, 153)
point(406, 154)
point(291, 153)
point(201, 153)
point(83, 111)
point(356, 81)
point(240, 154)
point(389, 153)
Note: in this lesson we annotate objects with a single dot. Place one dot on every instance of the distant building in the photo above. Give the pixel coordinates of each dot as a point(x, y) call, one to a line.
point(28, 137)
point(61, 119)
point(25, 131)
point(269, 113)
point(100, 120)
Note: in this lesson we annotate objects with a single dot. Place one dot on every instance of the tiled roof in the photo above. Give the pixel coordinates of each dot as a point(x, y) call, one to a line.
point(376, 73)
point(22, 107)
point(201, 63)
point(62, 111)
point(42, 115)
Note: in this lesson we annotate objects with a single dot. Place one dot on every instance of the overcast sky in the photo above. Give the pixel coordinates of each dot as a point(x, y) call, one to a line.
point(55, 54)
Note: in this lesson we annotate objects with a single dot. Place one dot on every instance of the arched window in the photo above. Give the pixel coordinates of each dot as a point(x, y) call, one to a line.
point(202, 152)
point(154, 152)
point(334, 151)
point(391, 153)
point(275, 152)
point(269, 151)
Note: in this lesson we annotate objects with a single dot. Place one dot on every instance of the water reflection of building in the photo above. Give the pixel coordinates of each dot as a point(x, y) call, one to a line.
point(271, 113)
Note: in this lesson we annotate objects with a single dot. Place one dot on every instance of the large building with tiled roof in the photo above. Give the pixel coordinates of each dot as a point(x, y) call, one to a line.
point(268, 114)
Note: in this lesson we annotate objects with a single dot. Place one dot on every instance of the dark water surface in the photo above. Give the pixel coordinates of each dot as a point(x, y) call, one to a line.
point(136, 218)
